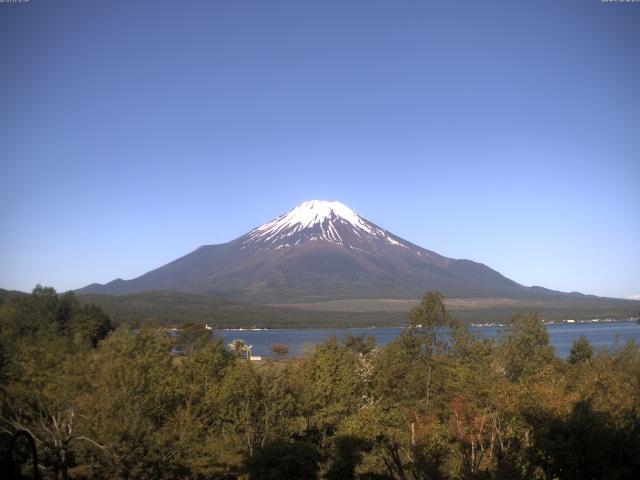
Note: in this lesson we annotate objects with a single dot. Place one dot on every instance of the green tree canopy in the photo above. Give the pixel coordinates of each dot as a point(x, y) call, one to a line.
point(525, 346)
point(581, 351)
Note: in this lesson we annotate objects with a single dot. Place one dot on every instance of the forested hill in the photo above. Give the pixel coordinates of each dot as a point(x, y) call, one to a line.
point(6, 295)
point(179, 307)
point(170, 308)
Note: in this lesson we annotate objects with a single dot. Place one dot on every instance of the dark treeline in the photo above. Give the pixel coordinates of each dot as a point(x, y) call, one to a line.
point(105, 403)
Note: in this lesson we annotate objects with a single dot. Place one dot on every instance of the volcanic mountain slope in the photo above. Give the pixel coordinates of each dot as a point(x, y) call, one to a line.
point(321, 250)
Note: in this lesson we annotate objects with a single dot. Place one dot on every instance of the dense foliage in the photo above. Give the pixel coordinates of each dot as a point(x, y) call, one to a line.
point(437, 403)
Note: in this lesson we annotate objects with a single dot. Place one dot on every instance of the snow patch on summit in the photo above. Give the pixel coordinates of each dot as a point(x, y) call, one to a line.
point(314, 212)
point(310, 216)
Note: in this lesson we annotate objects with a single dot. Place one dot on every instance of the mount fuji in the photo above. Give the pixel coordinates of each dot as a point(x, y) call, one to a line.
point(321, 250)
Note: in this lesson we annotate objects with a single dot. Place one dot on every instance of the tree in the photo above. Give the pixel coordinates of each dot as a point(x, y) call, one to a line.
point(399, 375)
point(238, 404)
point(192, 337)
point(282, 460)
point(240, 347)
point(46, 315)
point(430, 312)
point(192, 435)
point(345, 455)
point(49, 339)
point(360, 344)
point(581, 351)
point(89, 324)
point(391, 443)
point(525, 346)
point(328, 385)
point(280, 349)
point(586, 444)
point(132, 391)
point(278, 411)
point(425, 340)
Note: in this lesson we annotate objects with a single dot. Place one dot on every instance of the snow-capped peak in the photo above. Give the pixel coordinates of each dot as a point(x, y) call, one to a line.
point(313, 212)
point(317, 220)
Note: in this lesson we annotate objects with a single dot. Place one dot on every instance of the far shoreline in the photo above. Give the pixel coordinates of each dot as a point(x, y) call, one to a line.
point(472, 325)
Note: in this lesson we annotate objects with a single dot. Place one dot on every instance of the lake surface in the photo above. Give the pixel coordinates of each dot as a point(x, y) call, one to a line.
point(601, 335)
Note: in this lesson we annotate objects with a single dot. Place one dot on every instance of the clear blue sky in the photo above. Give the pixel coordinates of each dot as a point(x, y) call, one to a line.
point(505, 132)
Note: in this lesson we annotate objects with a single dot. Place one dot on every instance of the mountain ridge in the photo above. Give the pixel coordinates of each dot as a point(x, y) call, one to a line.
point(321, 250)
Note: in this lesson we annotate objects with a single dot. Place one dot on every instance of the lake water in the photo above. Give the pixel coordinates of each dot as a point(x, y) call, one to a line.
point(609, 335)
